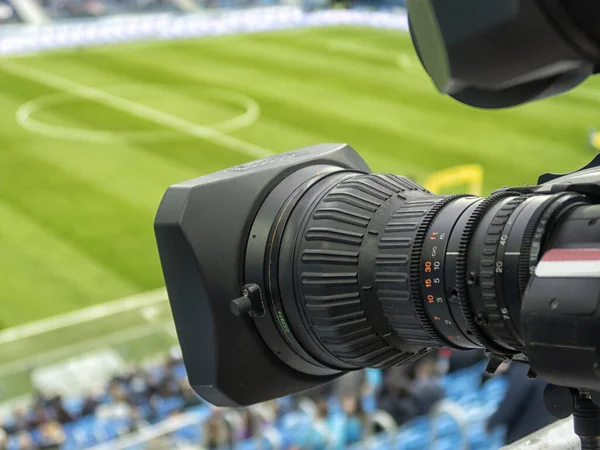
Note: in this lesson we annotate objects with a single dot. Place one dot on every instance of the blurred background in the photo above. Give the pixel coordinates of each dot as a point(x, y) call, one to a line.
point(105, 103)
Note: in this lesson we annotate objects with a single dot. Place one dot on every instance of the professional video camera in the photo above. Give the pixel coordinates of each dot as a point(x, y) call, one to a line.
point(287, 272)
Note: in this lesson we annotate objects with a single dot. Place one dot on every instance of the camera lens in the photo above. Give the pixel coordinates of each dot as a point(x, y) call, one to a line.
point(370, 270)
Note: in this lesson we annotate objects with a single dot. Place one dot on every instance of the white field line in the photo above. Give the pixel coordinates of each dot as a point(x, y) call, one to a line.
point(82, 316)
point(27, 122)
point(78, 348)
point(135, 109)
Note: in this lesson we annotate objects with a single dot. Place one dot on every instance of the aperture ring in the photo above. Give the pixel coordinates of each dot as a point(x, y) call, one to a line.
point(461, 271)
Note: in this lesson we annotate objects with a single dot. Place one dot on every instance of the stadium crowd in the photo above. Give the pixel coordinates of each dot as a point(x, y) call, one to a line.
point(340, 412)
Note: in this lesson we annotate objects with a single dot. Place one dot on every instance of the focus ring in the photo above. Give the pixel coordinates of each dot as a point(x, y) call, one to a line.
point(492, 295)
point(461, 270)
point(415, 270)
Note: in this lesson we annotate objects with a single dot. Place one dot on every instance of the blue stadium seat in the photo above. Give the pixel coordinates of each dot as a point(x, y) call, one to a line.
point(446, 426)
point(412, 440)
point(13, 444)
point(448, 443)
point(165, 406)
point(256, 444)
point(179, 371)
point(191, 434)
point(73, 405)
point(85, 432)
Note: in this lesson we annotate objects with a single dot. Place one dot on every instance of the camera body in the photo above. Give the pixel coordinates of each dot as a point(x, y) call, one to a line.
point(266, 304)
point(287, 272)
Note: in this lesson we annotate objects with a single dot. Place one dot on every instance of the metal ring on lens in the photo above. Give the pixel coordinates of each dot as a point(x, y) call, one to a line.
point(519, 221)
point(273, 326)
point(492, 270)
point(539, 224)
point(432, 273)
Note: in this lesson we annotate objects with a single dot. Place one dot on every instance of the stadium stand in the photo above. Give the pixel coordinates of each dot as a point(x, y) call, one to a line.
point(348, 413)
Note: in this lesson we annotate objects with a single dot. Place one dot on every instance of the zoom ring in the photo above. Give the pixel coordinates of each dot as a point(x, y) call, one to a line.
point(461, 271)
point(341, 296)
point(415, 269)
point(493, 299)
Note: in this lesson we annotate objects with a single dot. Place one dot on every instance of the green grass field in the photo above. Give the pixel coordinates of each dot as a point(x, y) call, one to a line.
point(90, 140)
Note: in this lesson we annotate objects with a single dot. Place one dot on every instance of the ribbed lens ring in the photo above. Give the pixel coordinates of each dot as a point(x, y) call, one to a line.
point(464, 279)
point(352, 270)
point(487, 297)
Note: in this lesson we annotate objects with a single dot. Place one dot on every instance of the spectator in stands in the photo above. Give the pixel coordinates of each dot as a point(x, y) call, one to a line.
point(139, 388)
point(426, 387)
point(522, 411)
point(352, 382)
point(60, 413)
point(118, 406)
point(355, 419)
point(395, 399)
point(90, 404)
point(52, 435)
point(19, 421)
point(217, 433)
point(249, 426)
point(410, 391)
point(322, 417)
point(24, 440)
point(40, 416)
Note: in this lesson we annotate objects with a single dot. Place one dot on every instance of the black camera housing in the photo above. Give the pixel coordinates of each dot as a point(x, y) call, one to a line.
point(202, 228)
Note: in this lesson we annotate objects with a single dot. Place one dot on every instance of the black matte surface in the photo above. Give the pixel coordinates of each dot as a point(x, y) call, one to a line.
point(201, 229)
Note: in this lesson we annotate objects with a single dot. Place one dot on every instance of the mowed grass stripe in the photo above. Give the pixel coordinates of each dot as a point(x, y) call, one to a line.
point(77, 214)
point(111, 236)
point(52, 273)
point(106, 167)
point(468, 140)
point(314, 63)
point(100, 199)
point(202, 154)
point(280, 135)
point(114, 233)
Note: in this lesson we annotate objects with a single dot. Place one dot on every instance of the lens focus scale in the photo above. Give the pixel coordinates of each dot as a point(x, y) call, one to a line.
point(435, 283)
point(487, 299)
point(428, 291)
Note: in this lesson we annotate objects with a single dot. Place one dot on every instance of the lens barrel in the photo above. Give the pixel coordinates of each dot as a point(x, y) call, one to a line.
point(371, 270)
